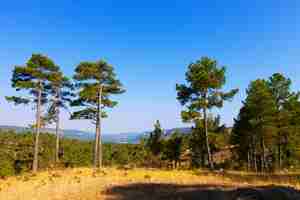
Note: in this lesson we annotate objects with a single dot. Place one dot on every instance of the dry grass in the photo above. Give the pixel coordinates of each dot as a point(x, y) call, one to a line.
point(85, 184)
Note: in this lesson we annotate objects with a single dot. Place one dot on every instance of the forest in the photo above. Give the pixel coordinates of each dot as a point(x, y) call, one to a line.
point(265, 136)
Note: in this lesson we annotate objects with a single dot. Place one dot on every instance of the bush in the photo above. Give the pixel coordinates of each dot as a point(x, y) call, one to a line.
point(6, 167)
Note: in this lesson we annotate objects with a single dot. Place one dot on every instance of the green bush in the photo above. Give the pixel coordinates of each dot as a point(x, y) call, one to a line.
point(6, 167)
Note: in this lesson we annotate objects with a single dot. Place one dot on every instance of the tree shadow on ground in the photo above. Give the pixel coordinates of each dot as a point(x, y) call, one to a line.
point(151, 191)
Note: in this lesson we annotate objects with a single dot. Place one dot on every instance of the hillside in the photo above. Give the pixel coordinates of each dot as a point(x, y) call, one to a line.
point(127, 137)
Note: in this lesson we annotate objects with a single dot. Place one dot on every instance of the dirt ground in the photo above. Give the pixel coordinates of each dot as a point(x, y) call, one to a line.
point(145, 184)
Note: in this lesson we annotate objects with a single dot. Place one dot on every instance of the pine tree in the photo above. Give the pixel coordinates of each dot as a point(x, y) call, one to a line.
point(197, 140)
point(280, 89)
point(243, 138)
point(205, 80)
point(173, 148)
point(290, 139)
point(267, 124)
point(96, 82)
point(256, 126)
point(154, 141)
point(60, 88)
point(33, 77)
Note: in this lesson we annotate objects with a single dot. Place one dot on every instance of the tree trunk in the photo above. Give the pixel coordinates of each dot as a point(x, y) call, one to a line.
point(279, 127)
point(210, 161)
point(57, 142)
point(264, 167)
point(96, 140)
point(255, 160)
point(279, 152)
point(99, 127)
point(202, 158)
point(57, 129)
point(251, 154)
point(248, 160)
point(38, 125)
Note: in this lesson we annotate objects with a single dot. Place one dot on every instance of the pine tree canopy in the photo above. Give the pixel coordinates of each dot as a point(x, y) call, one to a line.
point(262, 107)
point(34, 75)
point(280, 88)
point(90, 77)
point(154, 142)
point(61, 89)
point(204, 81)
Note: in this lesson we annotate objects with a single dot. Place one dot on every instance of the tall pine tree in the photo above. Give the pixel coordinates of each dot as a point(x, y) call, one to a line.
point(33, 77)
point(60, 88)
point(255, 129)
point(280, 89)
point(202, 92)
point(96, 82)
point(154, 142)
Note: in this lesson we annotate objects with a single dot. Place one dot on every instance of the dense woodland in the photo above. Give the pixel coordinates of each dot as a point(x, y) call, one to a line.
point(265, 136)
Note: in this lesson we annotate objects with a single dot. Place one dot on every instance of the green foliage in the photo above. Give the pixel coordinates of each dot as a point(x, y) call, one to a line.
point(16, 153)
point(267, 125)
point(154, 142)
point(205, 79)
point(76, 153)
point(265, 136)
point(217, 135)
point(60, 88)
point(173, 148)
point(202, 92)
point(96, 82)
point(90, 77)
point(33, 76)
point(6, 165)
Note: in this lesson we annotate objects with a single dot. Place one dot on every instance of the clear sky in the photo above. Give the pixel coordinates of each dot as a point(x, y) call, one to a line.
point(150, 43)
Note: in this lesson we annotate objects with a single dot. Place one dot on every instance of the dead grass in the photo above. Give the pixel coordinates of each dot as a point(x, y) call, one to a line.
point(86, 184)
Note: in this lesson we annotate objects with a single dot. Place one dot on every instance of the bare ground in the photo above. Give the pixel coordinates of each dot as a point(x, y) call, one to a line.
point(141, 184)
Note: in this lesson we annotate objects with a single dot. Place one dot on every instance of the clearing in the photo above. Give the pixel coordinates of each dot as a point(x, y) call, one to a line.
point(144, 184)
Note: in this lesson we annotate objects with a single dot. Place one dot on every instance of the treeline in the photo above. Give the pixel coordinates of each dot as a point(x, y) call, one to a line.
point(16, 153)
point(265, 135)
point(187, 150)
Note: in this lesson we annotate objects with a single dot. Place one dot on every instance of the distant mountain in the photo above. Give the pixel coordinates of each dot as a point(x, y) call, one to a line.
point(69, 133)
point(130, 137)
point(184, 130)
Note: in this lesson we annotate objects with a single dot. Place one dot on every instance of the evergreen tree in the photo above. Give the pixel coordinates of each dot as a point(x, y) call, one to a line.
point(267, 124)
point(33, 77)
point(154, 142)
point(60, 88)
point(280, 89)
point(205, 80)
point(243, 139)
point(255, 128)
point(96, 82)
point(290, 139)
point(173, 148)
point(197, 145)
point(197, 140)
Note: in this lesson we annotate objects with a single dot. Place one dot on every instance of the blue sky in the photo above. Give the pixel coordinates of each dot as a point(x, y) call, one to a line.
point(150, 43)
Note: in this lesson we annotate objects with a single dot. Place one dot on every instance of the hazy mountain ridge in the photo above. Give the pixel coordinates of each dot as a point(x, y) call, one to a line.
point(128, 137)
